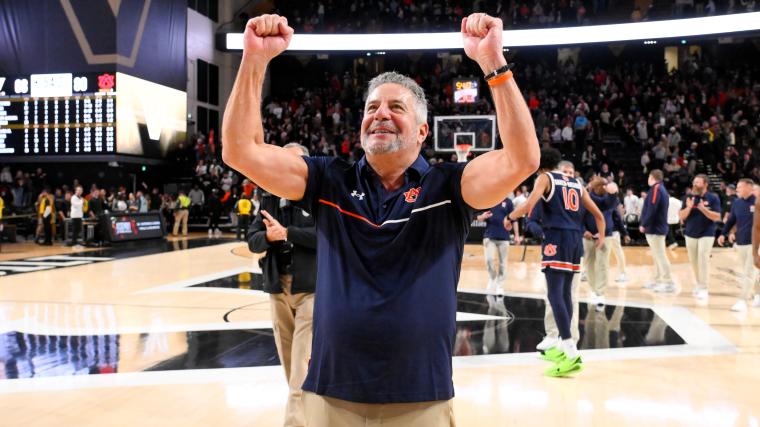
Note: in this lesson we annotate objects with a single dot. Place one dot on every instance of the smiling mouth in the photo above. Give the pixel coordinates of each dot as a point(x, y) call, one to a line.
point(382, 132)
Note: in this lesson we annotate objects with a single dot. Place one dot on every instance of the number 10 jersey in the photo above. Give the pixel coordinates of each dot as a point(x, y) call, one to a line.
point(562, 205)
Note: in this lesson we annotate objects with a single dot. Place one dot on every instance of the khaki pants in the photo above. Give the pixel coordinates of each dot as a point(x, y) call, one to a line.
point(292, 320)
point(180, 216)
point(496, 262)
point(550, 325)
point(322, 411)
point(699, 256)
point(748, 271)
point(656, 244)
point(597, 264)
point(617, 249)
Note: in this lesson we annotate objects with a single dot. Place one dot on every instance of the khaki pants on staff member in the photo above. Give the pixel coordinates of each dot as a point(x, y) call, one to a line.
point(550, 325)
point(292, 321)
point(323, 411)
point(180, 216)
point(616, 248)
point(748, 271)
point(656, 244)
point(598, 264)
point(699, 250)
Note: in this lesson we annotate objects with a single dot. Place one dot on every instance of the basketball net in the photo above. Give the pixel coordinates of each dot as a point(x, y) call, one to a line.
point(463, 151)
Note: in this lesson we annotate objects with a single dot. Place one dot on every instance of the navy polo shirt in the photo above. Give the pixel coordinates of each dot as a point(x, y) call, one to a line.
point(697, 224)
point(742, 214)
point(388, 265)
point(607, 204)
point(495, 224)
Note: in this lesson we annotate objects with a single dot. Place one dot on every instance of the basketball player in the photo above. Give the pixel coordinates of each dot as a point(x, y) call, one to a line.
point(535, 222)
point(390, 231)
point(741, 215)
point(561, 198)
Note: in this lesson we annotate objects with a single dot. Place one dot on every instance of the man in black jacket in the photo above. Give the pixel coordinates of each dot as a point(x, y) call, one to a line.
point(288, 236)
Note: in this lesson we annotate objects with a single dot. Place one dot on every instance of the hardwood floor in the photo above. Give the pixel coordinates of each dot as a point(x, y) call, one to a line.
point(129, 314)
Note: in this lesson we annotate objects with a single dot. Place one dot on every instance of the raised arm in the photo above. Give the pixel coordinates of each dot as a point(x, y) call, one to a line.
point(279, 171)
point(684, 213)
point(488, 179)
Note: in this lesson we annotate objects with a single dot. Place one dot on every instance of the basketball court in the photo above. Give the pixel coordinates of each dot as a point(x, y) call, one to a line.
point(178, 333)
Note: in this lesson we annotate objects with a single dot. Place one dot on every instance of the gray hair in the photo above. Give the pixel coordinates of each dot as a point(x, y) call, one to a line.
point(565, 164)
point(295, 144)
point(420, 101)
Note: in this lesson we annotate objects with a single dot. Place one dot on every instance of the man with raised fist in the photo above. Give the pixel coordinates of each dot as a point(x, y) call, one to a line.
point(390, 231)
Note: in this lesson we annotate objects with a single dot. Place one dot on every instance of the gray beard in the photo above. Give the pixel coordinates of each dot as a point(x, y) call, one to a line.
point(392, 147)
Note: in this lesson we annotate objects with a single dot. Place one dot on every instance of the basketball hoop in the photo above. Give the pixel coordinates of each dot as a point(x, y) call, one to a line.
point(463, 152)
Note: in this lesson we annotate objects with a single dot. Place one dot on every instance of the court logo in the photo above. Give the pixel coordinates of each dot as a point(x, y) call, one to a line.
point(550, 250)
point(411, 195)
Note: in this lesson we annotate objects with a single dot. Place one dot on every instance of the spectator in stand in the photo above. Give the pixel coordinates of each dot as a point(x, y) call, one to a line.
point(630, 205)
point(701, 212)
point(201, 169)
point(155, 200)
point(729, 196)
point(606, 173)
point(142, 202)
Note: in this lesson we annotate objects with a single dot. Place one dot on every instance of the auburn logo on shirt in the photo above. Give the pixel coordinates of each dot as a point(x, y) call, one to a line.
point(411, 195)
point(550, 250)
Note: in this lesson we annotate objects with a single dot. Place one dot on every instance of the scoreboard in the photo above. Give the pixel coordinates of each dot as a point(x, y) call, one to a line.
point(58, 114)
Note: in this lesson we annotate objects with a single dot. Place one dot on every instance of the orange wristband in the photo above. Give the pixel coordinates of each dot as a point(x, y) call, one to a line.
point(500, 79)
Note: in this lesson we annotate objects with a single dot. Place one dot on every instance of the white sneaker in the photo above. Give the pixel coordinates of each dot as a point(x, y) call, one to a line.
point(547, 343)
point(593, 298)
point(673, 246)
point(740, 306)
point(600, 303)
point(210, 233)
point(756, 301)
point(665, 288)
point(218, 233)
point(702, 295)
point(621, 278)
point(651, 285)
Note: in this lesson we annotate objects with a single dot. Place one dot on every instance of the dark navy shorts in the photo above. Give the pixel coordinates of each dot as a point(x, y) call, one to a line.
point(562, 250)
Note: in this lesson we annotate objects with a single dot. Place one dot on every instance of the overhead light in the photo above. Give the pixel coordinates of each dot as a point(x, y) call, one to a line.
point(674, 28)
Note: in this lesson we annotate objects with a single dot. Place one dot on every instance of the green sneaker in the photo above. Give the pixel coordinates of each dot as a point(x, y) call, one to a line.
point(565, 367)
point(553, 354)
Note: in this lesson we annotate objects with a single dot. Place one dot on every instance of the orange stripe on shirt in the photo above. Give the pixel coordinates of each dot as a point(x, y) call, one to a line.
point(656, 190)
point(345, 212)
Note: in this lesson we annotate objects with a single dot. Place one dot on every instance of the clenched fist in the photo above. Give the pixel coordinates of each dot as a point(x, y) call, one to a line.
point(482, 41)
point(265, 37)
